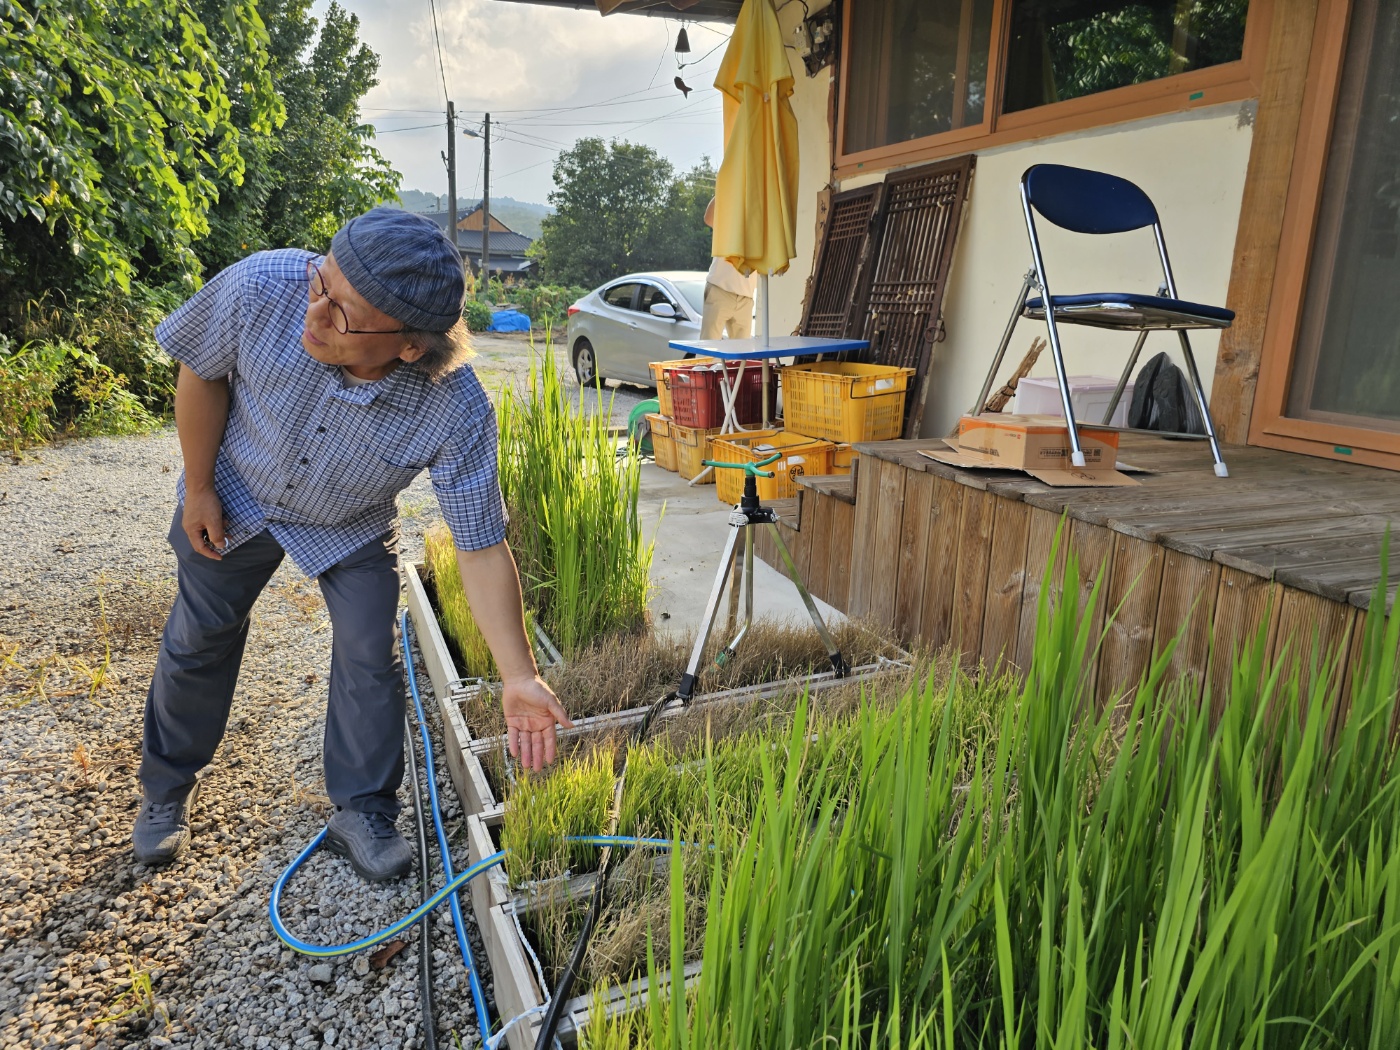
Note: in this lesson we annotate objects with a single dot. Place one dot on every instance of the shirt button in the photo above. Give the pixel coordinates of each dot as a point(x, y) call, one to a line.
point(291, 485)
point(304, 460)
point(320, 430)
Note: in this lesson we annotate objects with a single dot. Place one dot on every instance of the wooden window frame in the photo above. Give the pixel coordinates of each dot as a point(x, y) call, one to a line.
point(1228, 82)
point(1268, 424)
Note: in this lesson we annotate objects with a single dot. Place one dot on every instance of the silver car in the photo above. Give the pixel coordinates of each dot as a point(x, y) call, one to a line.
point(616, 331)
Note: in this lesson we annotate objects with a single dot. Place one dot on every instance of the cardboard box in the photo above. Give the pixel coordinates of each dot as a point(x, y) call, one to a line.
point(1038, 446)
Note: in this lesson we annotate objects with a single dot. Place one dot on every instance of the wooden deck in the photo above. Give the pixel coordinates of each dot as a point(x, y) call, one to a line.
point(1287, 543)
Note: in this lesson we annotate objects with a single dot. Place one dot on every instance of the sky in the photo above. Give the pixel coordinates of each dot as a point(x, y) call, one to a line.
point(548, 76)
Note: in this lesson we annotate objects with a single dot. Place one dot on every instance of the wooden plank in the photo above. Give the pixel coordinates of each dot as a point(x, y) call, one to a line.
point(1271, 152)
point(940, 564)
point(1043, 525)
point(913, 555)
point(970, 576)
point(1185, 613)
point(1092, 547)
point(1006, 583)
point(816, 523)
point(840, 544)
point(1361, 597)
point(1312, 555)
point(1311, 630)
point(884, 577)
point(1204, 543)
point(1244, 605)
point(863, 555)
point(1134, 593)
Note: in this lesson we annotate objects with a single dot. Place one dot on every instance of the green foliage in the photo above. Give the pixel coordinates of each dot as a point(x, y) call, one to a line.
point(54, 386)
point(116, 137)
point(319, 169)
point(548, 304)
point(619, 208)
point(477, 314)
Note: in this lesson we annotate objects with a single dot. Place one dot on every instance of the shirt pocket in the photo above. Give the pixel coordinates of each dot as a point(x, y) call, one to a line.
point(366, 477)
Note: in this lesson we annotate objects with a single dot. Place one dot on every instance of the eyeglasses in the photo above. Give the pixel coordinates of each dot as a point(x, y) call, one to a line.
point(339, 321)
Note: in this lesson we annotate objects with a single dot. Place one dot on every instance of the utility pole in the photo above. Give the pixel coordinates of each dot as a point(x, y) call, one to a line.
point(486, 207)
point(451, 161)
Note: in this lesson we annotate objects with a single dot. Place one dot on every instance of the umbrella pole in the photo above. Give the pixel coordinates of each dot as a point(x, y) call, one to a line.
point(763, 322)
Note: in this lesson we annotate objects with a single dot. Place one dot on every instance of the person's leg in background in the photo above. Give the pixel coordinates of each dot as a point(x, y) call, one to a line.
point(712, 317)
point(364, 741)
point(187, 705)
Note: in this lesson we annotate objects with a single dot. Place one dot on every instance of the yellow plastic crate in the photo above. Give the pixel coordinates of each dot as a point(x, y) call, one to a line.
point(692, 445)
point(845, 401)
point(842, 458)
point(800, 455)
point(663, 448)
point(663, 390)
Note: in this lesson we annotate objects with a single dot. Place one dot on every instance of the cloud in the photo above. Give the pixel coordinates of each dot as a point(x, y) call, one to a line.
point(507, 58)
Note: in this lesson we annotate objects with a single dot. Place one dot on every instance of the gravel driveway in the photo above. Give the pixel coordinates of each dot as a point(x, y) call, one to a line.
point(87, 584)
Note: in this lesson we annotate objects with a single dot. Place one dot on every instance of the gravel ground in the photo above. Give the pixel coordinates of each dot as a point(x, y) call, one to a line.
point(98, 952)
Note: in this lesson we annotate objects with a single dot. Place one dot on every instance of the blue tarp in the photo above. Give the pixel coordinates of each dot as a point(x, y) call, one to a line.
point(509, 321)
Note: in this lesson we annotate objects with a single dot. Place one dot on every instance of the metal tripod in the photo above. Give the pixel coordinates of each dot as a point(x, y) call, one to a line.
point(747, 515)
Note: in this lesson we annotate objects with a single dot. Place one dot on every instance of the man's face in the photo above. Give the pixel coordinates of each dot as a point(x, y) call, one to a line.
point(364, 356)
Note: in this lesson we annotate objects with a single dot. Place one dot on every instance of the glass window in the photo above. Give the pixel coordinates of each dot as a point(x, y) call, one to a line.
point(694, 292)
point(620, 296)
point(918, 68)
point(1347, 368)
point(651, 295)
point(1063, 49)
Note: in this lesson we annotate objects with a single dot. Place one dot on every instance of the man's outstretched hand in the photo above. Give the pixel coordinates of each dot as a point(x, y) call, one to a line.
point(532, 711)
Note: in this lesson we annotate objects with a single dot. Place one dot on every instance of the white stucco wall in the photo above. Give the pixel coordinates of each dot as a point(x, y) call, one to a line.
point(1193, 167)
point(1191, 164)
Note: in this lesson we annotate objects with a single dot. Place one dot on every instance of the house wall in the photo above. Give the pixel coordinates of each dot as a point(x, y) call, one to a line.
point(1192, 165)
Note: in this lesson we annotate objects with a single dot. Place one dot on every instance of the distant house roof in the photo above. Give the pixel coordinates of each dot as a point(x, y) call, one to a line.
point(504, 241)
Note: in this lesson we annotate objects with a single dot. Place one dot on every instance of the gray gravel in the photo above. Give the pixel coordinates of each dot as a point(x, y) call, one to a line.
point(87, 582)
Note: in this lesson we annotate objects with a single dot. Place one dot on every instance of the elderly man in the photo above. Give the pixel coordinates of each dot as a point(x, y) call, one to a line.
point(312, 390)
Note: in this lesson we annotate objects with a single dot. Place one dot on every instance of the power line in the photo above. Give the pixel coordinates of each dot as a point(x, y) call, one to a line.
point(416, 127)
point(437, 40)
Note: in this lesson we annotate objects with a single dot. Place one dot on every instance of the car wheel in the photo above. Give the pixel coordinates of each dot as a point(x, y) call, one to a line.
point(586, 363)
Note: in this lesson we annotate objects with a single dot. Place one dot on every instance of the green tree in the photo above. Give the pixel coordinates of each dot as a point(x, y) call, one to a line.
point(116, 137)
point(619, 208)
point(320, 168)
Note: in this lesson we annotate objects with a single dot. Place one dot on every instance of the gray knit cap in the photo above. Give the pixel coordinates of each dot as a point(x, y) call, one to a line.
point(404, 265)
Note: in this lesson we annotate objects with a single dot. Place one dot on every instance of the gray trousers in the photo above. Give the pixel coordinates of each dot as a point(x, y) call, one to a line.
point(191, 692)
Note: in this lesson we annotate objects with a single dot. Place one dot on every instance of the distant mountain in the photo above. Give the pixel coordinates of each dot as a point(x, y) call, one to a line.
point(521, 216)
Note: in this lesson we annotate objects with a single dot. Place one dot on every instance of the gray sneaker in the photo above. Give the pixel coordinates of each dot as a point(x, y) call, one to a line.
point(371, 843)
point(162, 830)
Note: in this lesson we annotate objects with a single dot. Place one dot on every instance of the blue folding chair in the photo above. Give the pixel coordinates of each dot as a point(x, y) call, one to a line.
point(1084, 201)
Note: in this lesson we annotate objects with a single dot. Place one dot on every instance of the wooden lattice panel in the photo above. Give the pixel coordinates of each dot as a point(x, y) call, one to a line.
point(836, 304)
point(918, 230)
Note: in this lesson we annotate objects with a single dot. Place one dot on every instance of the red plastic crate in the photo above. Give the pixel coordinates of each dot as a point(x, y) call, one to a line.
point(698, 401)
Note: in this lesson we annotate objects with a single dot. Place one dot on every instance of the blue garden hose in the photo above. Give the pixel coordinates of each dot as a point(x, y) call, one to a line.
point(455, 882)
point(483, 1018)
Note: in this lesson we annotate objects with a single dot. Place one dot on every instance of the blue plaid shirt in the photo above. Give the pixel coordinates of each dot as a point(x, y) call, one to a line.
point(314, 461)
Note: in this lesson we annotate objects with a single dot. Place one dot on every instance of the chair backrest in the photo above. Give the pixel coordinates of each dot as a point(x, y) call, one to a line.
point(1087, 201)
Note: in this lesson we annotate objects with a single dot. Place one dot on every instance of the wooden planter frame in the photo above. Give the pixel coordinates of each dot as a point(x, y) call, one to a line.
point(496, 905)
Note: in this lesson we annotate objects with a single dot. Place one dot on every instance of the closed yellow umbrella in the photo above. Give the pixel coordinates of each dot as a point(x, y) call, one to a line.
point(756, 188)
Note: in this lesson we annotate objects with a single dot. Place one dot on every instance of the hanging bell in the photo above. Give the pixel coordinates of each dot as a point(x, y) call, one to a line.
point(682, 42)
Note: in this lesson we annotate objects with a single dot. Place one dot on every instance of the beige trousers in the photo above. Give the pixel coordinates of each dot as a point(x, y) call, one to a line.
point(726, 315)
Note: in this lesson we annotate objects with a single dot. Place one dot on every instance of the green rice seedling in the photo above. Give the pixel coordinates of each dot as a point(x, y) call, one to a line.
point(571, 491)
point(454, 614)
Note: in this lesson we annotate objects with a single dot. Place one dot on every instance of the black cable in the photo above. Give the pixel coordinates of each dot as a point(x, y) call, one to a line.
point(600, 885)
point(425, 935)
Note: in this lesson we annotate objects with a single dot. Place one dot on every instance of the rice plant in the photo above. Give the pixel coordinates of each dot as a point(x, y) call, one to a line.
point(571, 492)
point(1154, 880)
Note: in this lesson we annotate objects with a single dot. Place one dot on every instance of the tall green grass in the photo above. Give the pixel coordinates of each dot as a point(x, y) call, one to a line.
point(1153, 881)
point(574, 523)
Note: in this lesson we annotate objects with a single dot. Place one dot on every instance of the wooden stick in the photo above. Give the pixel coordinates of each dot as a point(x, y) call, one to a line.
point(998, 401)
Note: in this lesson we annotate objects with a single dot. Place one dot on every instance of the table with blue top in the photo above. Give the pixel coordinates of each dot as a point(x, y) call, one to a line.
point(756, 349)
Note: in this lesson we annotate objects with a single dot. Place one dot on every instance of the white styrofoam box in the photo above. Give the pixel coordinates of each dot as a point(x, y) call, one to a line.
point(1090, 395)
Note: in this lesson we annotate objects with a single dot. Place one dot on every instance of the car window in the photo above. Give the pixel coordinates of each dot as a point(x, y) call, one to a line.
point(620, 296)
point(694, 292)
point(651, 295)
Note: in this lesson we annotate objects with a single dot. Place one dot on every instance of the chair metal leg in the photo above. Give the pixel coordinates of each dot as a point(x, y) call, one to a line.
point(1026, 285)
point(1076, 453)
point(1221, 471)
point(1123, 379)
